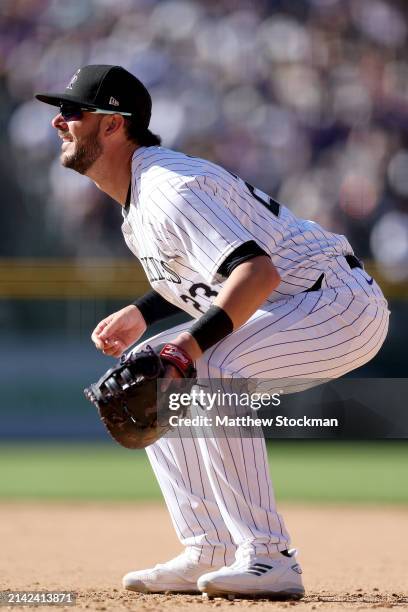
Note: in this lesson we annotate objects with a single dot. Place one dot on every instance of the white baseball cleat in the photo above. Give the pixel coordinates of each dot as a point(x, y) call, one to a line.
point(179, 575)
point(277, 576)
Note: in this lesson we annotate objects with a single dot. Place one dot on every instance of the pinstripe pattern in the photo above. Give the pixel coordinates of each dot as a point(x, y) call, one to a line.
point(315, 336)
point(191, 214)
point(184, 482)
point(186, 215)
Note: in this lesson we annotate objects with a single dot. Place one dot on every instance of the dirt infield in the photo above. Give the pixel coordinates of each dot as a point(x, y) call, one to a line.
point(353, 557)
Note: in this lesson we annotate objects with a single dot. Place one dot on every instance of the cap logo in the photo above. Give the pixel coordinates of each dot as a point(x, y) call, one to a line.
point(74, 78)
point(113, 101)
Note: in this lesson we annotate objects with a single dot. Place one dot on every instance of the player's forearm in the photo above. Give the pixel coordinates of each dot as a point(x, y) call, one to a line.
point(247, 288)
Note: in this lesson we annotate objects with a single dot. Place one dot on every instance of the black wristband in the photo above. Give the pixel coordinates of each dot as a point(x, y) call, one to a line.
point(154, 307)
point(212, 327)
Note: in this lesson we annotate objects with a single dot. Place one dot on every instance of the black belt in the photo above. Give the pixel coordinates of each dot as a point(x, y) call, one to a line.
point(352, 261)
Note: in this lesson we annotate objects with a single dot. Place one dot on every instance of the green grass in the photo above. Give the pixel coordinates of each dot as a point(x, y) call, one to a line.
point(374, 472)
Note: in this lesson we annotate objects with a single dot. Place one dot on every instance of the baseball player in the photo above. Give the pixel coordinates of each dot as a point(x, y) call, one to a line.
point(272, 296)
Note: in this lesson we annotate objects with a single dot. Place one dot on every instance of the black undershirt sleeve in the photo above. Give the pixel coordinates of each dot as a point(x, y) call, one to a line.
point(154, 307)
point(243, 253)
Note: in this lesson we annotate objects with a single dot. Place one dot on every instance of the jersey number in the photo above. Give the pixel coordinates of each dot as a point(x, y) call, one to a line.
point(264, 199)
point(194, 291)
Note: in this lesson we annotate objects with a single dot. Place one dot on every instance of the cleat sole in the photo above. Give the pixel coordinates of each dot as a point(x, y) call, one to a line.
point(275, 595)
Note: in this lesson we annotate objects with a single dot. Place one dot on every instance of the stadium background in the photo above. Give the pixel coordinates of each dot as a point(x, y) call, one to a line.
point(305, 99)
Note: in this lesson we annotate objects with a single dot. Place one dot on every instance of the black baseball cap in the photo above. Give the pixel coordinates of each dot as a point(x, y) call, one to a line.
point(104, 87)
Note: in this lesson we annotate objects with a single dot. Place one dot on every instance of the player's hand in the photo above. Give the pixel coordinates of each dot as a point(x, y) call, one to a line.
point(114, 334)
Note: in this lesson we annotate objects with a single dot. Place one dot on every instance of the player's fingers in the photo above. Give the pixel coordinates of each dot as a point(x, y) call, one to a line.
point(101, 325)
point(114, 348)
point(98, 343)
point(95, 333)
point(95, 336)
point(104, 345)
point(111, 328)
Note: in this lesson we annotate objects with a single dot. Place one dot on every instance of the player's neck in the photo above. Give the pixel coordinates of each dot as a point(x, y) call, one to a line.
point(111, 173)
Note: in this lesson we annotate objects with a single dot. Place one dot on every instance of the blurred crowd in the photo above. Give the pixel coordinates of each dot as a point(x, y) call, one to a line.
point(306, 99)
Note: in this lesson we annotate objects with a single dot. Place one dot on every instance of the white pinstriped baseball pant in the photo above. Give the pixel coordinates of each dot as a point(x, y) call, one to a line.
point(218, 490)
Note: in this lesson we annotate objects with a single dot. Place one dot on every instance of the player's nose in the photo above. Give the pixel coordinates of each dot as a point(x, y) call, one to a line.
point(59, 123)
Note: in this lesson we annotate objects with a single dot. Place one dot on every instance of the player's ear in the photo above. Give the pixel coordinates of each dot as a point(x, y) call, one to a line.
point(112, 123)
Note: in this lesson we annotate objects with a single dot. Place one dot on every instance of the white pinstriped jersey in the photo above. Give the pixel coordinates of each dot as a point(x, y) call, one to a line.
point(186, 215)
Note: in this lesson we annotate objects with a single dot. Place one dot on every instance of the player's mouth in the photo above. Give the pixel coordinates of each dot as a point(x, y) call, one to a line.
point(65, 142)
point(65, 137)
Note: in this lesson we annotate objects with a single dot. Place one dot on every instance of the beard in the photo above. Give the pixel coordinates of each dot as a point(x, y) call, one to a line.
point(85, 154)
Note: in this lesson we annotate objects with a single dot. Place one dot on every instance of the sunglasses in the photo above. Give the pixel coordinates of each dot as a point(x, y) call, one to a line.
point(72, 112)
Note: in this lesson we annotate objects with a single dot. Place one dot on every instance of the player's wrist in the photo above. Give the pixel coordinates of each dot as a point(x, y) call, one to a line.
point(186, 342)
point(178, 357)
point(136, 313)
point(212, 327)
